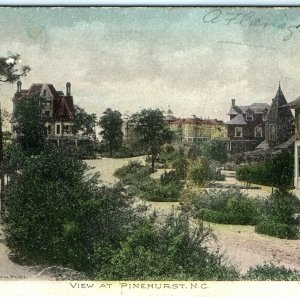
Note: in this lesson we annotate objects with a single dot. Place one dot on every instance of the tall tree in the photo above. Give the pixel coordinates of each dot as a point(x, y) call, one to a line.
point(152, 131)
point(29, 125)
point(111, 124)
point(10, 72)
point(84, 123)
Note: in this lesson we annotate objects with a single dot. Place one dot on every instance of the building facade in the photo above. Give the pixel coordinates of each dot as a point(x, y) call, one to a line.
point(57, 110)
point(194, 130)
point(246, 127)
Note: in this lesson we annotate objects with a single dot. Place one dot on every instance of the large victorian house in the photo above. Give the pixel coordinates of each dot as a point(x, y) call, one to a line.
point(246, 127)
point(57, 109)
point(260, 129)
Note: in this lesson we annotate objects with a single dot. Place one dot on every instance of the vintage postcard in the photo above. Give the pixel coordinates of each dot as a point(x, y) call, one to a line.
point(150, 151)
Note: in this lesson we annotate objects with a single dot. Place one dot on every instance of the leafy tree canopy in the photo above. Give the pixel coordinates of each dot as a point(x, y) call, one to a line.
point(29, 125)
point(84, 123)
point(152, 131)
point(111, 124)
point(9, 71)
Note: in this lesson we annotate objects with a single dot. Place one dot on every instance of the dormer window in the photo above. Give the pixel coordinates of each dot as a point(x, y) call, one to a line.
point(44, 92)
point(249, 117)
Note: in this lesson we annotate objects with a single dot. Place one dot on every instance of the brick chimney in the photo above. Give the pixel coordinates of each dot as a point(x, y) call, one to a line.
point(19, 86)
point(233, 102)
point(68, 88)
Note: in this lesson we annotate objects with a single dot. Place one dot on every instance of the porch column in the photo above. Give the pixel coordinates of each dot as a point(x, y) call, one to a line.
point(296, 168)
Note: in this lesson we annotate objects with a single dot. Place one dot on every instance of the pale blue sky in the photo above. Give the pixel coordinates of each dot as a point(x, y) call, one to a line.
point(191, 59)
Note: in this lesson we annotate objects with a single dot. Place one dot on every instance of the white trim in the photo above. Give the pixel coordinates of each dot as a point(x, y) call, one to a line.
point(235, 128)
point(255, 131)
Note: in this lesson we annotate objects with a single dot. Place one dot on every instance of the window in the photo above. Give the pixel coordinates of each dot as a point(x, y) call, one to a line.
point(229, 146)
point(238, 131)
point(44, 92)
point(258, 131)
point(49, 129)
point(47, 113)
point(67, 129)
point(249, 117)
point(272, 133)
point(57, 129)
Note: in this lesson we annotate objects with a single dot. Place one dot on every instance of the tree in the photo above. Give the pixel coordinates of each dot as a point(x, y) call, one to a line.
point(84, 123)
point(111, 124)
point(8, 71)
point(29, 125)
point(152, 131)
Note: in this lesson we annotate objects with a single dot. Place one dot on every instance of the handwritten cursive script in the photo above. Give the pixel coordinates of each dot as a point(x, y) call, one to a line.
point(251, 19)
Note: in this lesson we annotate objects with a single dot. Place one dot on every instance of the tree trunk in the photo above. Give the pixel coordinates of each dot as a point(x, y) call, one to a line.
point(152, 163)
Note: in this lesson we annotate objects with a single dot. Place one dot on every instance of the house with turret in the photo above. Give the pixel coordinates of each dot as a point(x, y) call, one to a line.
point(260, 129)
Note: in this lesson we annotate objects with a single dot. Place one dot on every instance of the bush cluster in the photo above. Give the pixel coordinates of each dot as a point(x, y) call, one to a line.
point(167, 188)
point(223, 206)
point(202, 171)
point(274, 216)
point(271, 272)
point(277, 216)
point(274, 171)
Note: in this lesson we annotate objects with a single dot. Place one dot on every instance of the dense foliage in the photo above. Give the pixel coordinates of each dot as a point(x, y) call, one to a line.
point(203, 170)
point(152, 132)
point(271, 272)
point(167, 188)
point(274, 171)
point(277, 217)
point(30, 125)
point(112, 134)
point(213, 150)
point(222, 206)
point(84, 123)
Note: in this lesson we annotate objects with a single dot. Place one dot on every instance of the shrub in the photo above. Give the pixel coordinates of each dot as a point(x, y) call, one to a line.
point(172, 250)
point(273, 171)
point(203, 170)
point(280, 230)
point(153, 190)
point(166, 189)
point(132, 173)
point(200, 171)
point(271, 272)
point(213, 150)
point(220, 206)
point(277, 215)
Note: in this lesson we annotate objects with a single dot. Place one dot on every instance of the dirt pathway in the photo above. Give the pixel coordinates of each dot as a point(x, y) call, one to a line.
point(245, 248)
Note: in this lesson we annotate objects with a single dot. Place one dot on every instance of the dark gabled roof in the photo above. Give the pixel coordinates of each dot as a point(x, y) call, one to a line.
point(256, 108)
point(34, 90)
point(235, 110)
point(52, 90)
point(259, 108)
point(63, 107)
point(237, 120)
point(278, 101)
